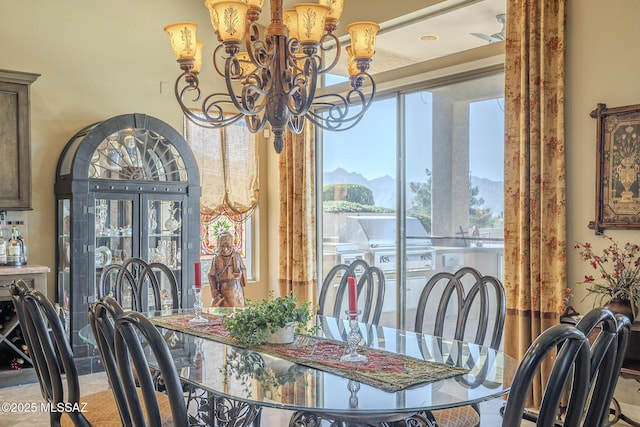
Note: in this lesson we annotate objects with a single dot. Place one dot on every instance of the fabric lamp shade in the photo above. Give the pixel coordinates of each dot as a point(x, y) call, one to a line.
point(213, 15)
point(197, 63)
point(247, 66)
point(255, 3)
point(352, 65)
point(335, 9)
point(182, 36)
point(290, 19)
point(232, 17)
point(311, 19)
point(363, 38)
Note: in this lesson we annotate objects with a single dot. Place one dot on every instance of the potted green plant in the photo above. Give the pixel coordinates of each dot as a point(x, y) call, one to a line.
point(618, 287)
point(264, 321)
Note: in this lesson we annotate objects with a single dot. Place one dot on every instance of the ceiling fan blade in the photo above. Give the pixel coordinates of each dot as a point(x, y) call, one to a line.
point(484, 37)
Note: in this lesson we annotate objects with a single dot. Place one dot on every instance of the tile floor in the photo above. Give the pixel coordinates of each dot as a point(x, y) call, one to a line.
point(627, 394)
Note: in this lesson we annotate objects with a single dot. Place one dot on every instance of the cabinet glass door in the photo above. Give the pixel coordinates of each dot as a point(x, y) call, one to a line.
point(114, 234)
point(165, 232)
point(164, 237)
point(64, 258)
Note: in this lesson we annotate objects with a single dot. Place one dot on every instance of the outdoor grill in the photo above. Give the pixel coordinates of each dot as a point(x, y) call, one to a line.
point(374, 239)
point(375, 236)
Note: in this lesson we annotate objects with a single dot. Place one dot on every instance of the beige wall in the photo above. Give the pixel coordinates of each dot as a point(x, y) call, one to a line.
point(96, 60)
point(602, 63)
point(101, 59)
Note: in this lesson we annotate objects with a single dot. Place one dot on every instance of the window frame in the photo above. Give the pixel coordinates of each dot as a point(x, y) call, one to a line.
point(399, 91)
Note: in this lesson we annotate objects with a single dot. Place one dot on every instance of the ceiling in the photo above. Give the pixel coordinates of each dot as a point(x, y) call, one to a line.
point(401, 45)
point(398, 42)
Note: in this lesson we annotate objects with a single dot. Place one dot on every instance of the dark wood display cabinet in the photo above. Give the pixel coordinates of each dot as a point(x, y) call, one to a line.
point(127, 186)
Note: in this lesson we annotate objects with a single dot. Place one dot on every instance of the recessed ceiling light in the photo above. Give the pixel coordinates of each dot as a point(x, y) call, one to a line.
point(429, 37)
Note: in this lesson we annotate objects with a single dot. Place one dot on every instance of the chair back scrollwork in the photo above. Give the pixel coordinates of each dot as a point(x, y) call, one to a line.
point(371, 288)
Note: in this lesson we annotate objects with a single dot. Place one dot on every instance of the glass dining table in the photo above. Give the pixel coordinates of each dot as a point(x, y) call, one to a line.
point(409, 374)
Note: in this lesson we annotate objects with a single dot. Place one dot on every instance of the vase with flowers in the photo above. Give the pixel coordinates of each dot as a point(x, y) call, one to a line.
point(618, 284)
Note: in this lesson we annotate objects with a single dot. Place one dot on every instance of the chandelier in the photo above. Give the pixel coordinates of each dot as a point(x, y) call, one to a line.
point(275, 79)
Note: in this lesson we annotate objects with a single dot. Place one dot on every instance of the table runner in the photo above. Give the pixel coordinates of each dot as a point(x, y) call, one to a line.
point(385, 370)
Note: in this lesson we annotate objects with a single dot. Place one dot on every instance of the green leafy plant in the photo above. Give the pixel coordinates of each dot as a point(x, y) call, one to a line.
point(253, 324)
point(619, 269)
point(354, 193)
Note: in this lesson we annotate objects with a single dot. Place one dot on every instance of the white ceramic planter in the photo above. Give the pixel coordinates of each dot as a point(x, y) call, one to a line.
point(283, 335)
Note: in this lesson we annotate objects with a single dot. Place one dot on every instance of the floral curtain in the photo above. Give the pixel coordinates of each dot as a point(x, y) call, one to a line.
point(535, 223)
point(297, 225)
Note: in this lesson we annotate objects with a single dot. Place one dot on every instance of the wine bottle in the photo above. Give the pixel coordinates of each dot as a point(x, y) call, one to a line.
point(15, 249)
point(18, 341)
point(3, 239)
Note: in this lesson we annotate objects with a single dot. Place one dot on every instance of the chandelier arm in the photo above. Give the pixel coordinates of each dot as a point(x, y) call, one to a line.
point(334, 43)
point(217, 54)
point(190, 81)
point(229, 78)
point(211, 121)
point(296, 124)
point(294, 55)
point(319, 120)
point(255, 123)
point(335, 112)
point(258, 50)
point(255, 90)
point(303, 85)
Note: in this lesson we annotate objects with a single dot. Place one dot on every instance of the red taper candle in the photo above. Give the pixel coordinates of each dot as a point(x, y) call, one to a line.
point(353, 294)
point(198, 282)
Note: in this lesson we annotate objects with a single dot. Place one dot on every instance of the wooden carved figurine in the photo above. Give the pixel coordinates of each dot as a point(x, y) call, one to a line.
point(227, 275)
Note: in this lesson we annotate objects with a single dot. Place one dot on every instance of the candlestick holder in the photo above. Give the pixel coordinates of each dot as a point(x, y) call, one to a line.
point(353, 339)
point(197, 308)
point(353, 387)
point(199, 357)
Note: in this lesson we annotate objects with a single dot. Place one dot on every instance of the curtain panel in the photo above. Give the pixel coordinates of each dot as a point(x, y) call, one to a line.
point(228, 162)
point(535, 211)
point(297, 222)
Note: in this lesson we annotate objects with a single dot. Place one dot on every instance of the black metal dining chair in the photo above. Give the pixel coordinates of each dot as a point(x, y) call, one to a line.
point(571, 365)
point(609, 336)
point(137, 279)
point(54, 364)
point(470, 307)
point(124, 339)
point(607, 350)
point(371, 287)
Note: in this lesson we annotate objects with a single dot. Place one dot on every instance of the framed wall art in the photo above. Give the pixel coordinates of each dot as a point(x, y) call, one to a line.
point(617, 168)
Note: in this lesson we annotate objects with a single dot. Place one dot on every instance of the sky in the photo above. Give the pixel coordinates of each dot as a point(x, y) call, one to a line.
point(370, 147)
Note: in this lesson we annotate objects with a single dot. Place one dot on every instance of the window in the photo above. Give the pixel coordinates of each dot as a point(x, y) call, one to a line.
point(228, 163)
point(429, 163)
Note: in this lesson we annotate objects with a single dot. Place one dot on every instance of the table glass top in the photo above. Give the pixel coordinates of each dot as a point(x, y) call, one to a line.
point(267, 380)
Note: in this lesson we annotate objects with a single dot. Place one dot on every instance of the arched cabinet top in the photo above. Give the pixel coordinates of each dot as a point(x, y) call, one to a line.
point(130, 147)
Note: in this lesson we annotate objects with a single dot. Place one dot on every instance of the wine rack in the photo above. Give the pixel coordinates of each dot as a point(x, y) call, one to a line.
point(12, 347)
point(11, 337)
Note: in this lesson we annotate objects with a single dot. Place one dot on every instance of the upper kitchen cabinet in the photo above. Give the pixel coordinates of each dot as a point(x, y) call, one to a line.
point(15, 173)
